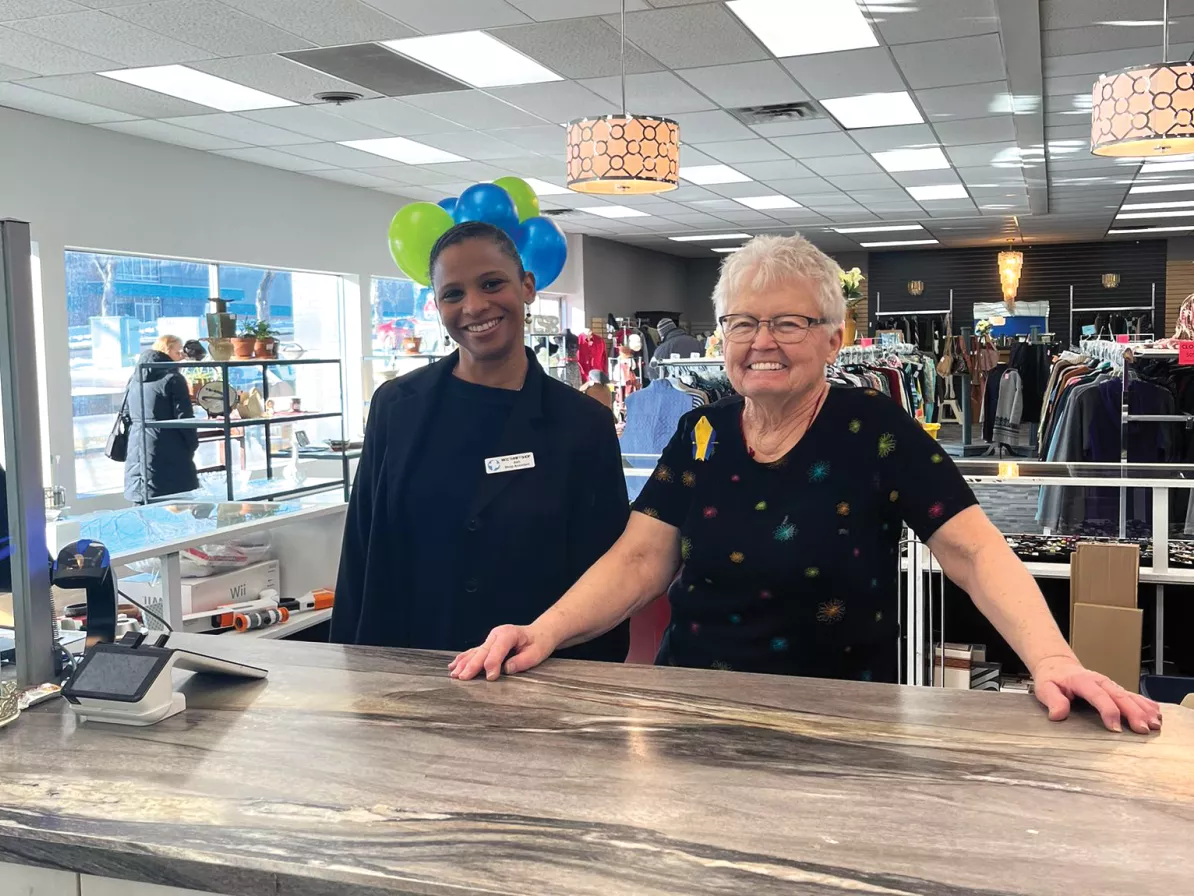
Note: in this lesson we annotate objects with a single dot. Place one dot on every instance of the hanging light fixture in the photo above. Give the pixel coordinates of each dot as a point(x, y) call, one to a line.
point(623, 154)
point(1011, 262)
point(1145, 111)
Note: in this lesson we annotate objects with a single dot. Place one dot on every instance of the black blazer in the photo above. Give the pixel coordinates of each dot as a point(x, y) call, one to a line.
point(528, 535)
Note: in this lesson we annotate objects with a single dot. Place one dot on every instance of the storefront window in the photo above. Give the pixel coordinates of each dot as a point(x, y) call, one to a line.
point(401, 309)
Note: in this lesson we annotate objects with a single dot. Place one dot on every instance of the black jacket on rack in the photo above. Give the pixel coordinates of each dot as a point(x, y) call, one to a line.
point(524, 538)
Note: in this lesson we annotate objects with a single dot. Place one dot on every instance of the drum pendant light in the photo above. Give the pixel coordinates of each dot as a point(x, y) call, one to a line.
point(623, 154)
point(1145, 111)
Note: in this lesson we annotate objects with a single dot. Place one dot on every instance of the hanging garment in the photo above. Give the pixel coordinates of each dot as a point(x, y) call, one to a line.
point(652, 415)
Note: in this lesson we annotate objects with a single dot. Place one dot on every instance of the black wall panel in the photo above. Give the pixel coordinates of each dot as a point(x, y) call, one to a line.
point(1049, 271)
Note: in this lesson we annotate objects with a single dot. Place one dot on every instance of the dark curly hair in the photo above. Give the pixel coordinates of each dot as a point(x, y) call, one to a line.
point(476, 230)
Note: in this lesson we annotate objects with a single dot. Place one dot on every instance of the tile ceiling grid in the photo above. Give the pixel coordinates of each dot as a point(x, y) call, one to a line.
point(692, 58)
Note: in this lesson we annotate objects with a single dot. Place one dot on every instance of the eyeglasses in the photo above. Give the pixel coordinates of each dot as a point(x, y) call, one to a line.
point(787, 328)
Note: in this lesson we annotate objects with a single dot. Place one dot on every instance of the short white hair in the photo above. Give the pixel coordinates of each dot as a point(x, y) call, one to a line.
point(767, 262)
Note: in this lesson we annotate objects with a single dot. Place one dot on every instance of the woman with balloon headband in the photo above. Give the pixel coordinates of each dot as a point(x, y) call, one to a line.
point(485, 488)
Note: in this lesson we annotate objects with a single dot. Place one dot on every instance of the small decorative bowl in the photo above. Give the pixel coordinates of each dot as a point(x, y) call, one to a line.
point(292, 351)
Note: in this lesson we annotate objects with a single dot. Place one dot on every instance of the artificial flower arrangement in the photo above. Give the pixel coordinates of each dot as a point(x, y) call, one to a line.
point(852, 287)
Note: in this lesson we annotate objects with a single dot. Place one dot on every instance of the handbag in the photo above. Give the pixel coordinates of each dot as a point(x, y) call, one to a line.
point(117, 447)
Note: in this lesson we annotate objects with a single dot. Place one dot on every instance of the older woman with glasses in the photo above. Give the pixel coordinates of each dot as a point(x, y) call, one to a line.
point(781, 510)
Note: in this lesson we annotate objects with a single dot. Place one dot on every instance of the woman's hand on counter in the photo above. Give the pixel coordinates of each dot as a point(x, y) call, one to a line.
point(524, 645)
point(1060, 679)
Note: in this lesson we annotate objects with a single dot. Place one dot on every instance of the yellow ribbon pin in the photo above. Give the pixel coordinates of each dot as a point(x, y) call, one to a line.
point(704, 440)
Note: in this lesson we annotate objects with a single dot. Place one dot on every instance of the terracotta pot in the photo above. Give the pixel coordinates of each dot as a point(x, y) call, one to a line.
point(411, 344)
point(221, 349)
point(266, 348)
point(851, 331)
point(242, 347)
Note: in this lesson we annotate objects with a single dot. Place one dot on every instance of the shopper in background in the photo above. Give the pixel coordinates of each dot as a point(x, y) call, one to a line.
point(486, 488)
point(160, 462)
point(782, 509)
point(674, 343)
point(597, 388)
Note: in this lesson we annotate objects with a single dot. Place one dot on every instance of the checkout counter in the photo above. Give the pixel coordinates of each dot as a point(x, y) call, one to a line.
point(360, 771)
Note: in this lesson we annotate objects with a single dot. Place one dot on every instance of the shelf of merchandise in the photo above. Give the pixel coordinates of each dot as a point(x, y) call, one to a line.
point(228, 424)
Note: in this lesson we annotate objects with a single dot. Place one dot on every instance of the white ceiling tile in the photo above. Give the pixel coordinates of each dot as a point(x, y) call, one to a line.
point(977, 130)
point(28, 9)
point(17, 96)
point(315, 121)
point(797, 128)
point(271, 157)
point(948, 63)
point(736, 191)
point(988, 175)
point(110, 94)
point(689, 193)
point(44, 57)
point(744, 84)
point(473, 109)
point(458, 15)
point(747, 217)
point(949, 207)
point(577, 48)
point(355, 178)
point(933, 20)
point(103, 35)
point(395, 117)
point(996, 155)
point(925, 178)
point(816, 145)
point(243, 130)
point(859, 185)
point(279, 76)
point(411, 175)
point(422, 194)
point(691, 36)
point(805, 186)
point(333, 155)
point(8, 73)
point(1093, 64)
point(557, 101)
point(485, 147)
point(106, 4)
point(735, 152)
point(470, 171)
point(848, 73)
point(169, 133)
point(546, 139)
point(651, 92)
point(1102, 38)
point(535, 166)
point(710, 127)
point(545, 10)
point(966, 101)
point(327, 23)
point(211, 26)
point(783, 169)
point(840, 166)
point(906, 136)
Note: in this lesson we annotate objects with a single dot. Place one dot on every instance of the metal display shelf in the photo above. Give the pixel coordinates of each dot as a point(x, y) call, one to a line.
point(227, 424)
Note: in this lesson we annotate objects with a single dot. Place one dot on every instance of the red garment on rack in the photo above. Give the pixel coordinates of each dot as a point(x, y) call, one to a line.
point(593, 354)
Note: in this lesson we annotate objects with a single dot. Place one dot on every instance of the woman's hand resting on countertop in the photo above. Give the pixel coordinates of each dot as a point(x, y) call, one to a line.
point(525, 646)
point(1058, 680)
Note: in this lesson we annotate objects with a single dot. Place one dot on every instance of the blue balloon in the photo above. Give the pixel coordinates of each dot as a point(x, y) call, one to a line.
point(449, 204)
point(543, 248)
point(488, 203)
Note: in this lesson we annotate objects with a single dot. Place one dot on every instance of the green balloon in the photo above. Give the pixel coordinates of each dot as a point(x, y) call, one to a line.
point(526, 203)
point(413, 232)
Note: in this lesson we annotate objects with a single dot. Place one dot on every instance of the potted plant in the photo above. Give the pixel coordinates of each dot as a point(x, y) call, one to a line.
point(242, 345)
point(852, 289)
point(266, 344)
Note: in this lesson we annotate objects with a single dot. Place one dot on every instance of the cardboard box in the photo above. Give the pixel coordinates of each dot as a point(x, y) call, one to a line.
point(1107, 640)
point(203, 595)
point(956, 671)
point(1106, 575)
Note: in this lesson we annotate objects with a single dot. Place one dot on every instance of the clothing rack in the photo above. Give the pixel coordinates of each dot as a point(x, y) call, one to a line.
point(858, 354)
point(1151, 307)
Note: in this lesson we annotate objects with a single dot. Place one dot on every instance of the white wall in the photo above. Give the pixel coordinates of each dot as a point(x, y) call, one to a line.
point(85, 187)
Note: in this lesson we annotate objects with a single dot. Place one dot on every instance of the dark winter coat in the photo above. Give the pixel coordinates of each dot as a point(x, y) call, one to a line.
point(163, 459)
point(677, 344)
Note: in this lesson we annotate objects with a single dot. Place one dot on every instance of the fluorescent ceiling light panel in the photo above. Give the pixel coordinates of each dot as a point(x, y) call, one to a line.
point(710, 237)
point(475, 58)
point(898, 243)
point(1149, 230)
point(198, 87)
point(1143, 205)
point(1163, 188)
point(874, 110)
point(765, 202)
point(1123, 216)
point(402, 150)
point(886, 228)
point(728, 249)
point(1166, 167)
point(712, 174)
point(790, 28)
point(614, 211)
point(944, 191)
point(930, 159)
point(543, 188)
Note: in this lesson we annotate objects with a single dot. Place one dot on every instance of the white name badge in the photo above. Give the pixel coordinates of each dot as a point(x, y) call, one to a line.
point(509, 463)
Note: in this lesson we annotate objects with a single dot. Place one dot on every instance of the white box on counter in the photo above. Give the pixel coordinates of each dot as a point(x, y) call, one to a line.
point(206, 594)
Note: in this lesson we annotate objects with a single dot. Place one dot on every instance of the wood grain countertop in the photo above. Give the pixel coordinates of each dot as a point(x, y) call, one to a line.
point(363, 771)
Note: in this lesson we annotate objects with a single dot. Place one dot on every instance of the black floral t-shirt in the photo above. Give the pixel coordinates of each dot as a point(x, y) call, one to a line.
point(791, 567)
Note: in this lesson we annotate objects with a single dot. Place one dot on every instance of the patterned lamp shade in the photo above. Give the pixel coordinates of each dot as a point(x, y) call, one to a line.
point(1144, 111)
point(1010, 264)
point(623, 154)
